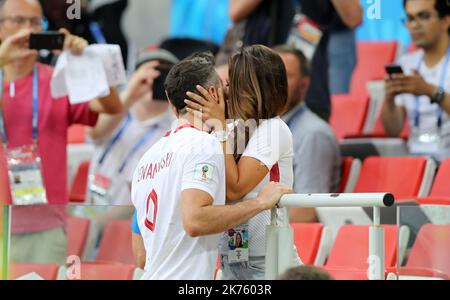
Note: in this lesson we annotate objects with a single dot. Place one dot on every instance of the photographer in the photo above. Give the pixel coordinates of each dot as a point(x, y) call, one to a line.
point(421, 95)
point(35, 124)
point(121, 140)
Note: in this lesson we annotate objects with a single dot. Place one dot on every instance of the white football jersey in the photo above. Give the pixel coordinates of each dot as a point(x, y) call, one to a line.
point(185, 158)
point(271, 144)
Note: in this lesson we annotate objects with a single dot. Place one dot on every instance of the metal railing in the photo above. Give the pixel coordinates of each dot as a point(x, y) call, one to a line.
point(280, 237)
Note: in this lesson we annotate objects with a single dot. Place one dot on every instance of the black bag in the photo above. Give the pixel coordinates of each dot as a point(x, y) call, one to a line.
point(270, 23)
point(323, 13)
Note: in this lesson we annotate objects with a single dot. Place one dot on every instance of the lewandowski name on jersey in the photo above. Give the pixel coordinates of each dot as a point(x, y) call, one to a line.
point(149, 171)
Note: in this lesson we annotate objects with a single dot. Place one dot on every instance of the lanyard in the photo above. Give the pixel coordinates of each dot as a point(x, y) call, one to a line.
point(150, 133)
point(179, 128)
point(147, 136)
point(296, 116)
point(97, 33)
point(34, 122)
point(441, 85)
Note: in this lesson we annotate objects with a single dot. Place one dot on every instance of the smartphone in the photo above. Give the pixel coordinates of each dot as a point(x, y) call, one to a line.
point(393, 69)
point(159, 92)
point(49, 40)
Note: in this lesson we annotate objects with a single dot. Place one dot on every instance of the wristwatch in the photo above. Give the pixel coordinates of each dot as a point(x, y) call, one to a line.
point(221, 136)
point(438, 96)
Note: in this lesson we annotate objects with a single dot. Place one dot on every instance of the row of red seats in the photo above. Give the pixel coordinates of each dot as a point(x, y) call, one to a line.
point(117, 232)
point(350, 111)
point(114, 260)
point(402, 176)
point(406, 177)
point(347, 259)
point(88, 271)
point(349, 116)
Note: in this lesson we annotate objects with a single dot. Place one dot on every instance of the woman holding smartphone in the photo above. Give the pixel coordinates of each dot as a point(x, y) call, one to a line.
point(259, 152)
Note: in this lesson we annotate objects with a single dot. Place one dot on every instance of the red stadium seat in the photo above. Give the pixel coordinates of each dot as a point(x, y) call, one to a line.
point(115, 245)
point(77, 233)
point(351, 167)
point(440, 191)
point(430, 251)
point(76, 134)
point(434, 201)
point(93, 271)
point(371, 59)
point(307, 239)
point(351, 112)
point(79, 185)
point(351, 247)
point(348, 115)
point(405, 177)
point(379, 131)
point(47, 271)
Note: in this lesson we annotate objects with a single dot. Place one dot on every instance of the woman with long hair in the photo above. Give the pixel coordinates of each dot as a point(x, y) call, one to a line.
point(260, 150)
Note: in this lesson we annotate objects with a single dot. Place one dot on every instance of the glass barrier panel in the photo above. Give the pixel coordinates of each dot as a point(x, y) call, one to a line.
point(424, 242)
point(72, 242)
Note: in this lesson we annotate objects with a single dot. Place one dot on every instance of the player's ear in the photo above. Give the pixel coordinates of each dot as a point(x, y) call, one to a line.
point(213, 91)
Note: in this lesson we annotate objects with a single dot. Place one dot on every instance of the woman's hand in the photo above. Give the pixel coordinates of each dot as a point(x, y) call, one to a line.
point(211, 106)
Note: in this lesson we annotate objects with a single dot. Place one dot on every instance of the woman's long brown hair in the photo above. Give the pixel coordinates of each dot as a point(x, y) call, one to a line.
point(258, 89)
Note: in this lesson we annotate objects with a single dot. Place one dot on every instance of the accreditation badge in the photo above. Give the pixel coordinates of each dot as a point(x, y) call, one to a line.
point(305, 35)
point(238, 244)
point(25, 176)
point(99, 186)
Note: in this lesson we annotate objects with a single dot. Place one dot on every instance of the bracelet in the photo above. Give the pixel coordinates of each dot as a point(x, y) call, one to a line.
point(221, 136)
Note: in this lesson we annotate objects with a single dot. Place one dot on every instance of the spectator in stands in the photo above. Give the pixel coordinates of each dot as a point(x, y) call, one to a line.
point(121, 140)
point(106, 23)
point(317, 158)
point(342, 50)
point(99, 21)
point(55, 17)
point(422, 94)
point(305, 273)
point(38, 231)
point(328, 14)
point(254, 22)
point(11, 49)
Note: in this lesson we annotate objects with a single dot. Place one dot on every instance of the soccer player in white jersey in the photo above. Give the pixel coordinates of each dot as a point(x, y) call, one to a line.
point(178, 188)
